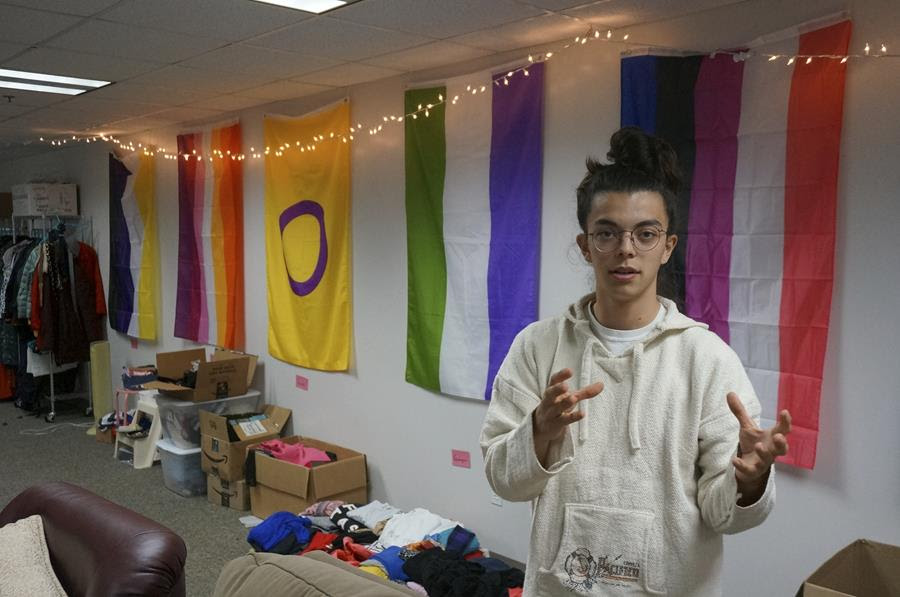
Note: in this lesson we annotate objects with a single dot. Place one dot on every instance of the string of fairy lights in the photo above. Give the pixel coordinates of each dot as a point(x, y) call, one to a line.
point(425, 109)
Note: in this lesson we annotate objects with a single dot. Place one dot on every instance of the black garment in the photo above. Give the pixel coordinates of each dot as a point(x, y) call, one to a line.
point(445, 574)
point(61, 328)
point(86, 294)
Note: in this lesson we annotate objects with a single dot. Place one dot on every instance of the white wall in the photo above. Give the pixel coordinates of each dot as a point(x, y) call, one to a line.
point(408, 433)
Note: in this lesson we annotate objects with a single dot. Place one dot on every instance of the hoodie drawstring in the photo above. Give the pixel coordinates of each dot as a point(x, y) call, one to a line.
point(634, 436)
point(587, 377)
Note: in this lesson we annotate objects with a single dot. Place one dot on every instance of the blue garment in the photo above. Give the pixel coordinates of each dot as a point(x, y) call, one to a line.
point(276, 527)
point(452, 540)
point(392, 562)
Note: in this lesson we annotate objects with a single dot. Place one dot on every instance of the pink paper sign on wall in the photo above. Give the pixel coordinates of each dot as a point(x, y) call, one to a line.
point(462, 458)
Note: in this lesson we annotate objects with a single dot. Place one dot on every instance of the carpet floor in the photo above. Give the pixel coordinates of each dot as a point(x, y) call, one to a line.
point(34, 451)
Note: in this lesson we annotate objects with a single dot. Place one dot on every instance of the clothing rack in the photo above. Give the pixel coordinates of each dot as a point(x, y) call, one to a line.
point(47, 223)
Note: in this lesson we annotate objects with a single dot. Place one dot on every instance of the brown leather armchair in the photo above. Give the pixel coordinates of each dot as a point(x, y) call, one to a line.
point(99, 548)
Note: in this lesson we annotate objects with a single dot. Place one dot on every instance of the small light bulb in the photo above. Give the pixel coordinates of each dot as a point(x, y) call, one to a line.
point(596, 34)
point(883, 48)
point(808, 60)
point(525, 72)
point(866, 49)
point(791, 61)
point(843, 60)
point(625, 38)
point(775, 57)
point(583, 40)
point(609, 34)
point(549, 55)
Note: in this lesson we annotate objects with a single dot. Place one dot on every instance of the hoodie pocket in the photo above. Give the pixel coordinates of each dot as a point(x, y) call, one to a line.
point(606, 551)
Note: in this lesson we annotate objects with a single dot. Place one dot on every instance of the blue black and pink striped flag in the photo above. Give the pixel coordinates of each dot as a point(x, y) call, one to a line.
point(759, 144)
point(473, 216)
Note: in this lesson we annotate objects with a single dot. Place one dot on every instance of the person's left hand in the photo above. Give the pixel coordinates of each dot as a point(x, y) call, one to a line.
point(757, 448)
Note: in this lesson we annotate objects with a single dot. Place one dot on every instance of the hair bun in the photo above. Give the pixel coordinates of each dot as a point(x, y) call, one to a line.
point(632, 148)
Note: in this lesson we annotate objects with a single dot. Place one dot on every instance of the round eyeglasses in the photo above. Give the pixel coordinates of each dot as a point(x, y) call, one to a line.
point(644, 238)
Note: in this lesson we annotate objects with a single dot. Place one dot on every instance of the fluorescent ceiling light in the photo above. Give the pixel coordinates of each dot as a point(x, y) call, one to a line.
point(44, 88)
point(316, 6)
point(21, 74)
point(20, 79)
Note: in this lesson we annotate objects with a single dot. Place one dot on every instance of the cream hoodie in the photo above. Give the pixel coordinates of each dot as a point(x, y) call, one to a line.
point(640, 491)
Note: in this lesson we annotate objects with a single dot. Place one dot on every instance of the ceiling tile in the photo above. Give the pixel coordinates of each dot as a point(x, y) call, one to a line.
point(8, 110)
point(31, 26)
point(622, 13)
point(227, 103)
point(81, 7)
point(130, 125)
point(351, 73)
point(436, 18)
point(282, 90)
point(181, 77)
point(151, 94)
point(529, 32)
point(105, 110)
point(430, 55)
point(229, 19)
point(137, 43)
point(55, 118)
point(32, 99)
point(184, 114)
point(8, 50)
point(275, 64)
point(341, 40)
point(560, 4)
point(76, 64)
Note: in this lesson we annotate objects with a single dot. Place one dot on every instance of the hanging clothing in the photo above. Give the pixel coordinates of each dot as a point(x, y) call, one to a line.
point(72, 306)
point(90, 300)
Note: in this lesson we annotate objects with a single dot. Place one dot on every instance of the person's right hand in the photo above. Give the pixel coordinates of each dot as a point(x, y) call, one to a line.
point(559, 408)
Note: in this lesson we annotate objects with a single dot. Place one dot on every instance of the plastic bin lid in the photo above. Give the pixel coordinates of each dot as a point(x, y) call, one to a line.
point(169, 446)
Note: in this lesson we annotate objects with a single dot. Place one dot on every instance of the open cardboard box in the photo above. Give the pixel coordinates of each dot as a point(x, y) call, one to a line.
point(224, 458)
point(862, 569)
point(227, 374)
point(282, 485)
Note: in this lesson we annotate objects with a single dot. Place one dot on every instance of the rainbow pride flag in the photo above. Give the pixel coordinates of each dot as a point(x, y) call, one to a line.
point(473, 221)
point(210, 301)
point(759, 144)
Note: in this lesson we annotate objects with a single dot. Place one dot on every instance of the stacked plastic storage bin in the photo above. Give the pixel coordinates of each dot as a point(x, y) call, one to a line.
point(180, 447)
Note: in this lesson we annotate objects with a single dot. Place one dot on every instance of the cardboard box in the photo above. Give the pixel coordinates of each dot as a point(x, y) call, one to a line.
point(225, 458)
point(282, 485)
point(45, 199)
point(862, 569)
point(227, 374)
point(107, 436)
point(231, 494)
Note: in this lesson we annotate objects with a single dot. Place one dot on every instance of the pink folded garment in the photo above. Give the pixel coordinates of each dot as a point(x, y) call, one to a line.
point(296, 453)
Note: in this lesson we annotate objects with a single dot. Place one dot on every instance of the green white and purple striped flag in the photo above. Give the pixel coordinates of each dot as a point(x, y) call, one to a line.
point(473, 217)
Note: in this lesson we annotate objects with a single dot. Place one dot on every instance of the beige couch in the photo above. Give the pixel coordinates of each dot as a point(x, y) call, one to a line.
point(315, 574)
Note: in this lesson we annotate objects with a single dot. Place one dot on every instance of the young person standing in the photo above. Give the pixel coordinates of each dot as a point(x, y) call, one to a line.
point(631, 428)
